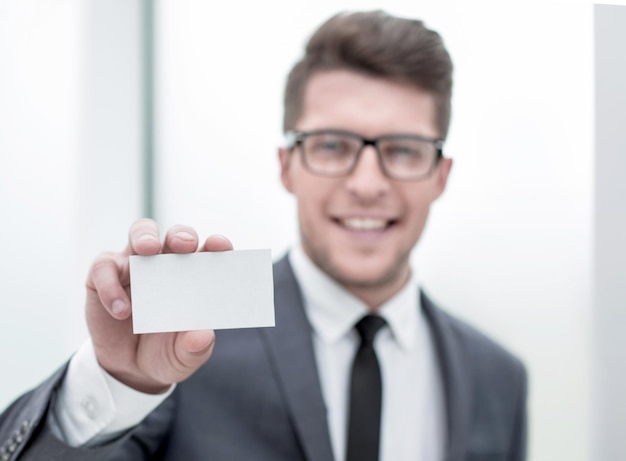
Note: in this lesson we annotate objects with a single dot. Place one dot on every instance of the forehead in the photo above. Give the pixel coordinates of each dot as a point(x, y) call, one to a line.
point(366, 105)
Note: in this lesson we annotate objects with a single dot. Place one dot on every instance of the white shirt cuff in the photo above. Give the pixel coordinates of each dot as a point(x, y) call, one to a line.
point(93, 407)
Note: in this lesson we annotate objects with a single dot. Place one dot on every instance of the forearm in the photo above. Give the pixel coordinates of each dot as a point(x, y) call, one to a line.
point(42, 426)
point(93, 408)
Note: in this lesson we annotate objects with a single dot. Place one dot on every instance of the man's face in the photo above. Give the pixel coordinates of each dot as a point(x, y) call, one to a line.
point(360, 228)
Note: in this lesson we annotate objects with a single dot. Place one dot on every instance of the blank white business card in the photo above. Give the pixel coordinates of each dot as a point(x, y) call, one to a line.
point(208, 290)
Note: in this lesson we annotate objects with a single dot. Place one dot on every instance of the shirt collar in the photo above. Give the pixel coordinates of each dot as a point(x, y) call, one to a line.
point(333, 311)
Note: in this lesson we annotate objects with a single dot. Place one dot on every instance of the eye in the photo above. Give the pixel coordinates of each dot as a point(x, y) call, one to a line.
point(407, 153)
point(404, 151)
point(328, 145)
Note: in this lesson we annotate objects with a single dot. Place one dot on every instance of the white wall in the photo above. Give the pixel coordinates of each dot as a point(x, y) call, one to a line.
point(70, 150)
point(39, 136)
point(609, 340)
point(509, 245)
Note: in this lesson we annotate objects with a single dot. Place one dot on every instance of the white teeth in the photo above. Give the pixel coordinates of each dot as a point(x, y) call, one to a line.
point(364, 223)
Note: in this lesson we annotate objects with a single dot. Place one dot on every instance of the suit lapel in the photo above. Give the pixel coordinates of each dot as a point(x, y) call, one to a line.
point(294, 363)
point(291, 349)
point(457, 391)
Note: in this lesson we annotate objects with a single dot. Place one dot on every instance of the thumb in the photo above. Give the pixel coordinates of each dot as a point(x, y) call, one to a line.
point(193, 348)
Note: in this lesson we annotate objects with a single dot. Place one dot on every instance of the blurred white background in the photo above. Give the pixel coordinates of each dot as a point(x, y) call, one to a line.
point(509, 246)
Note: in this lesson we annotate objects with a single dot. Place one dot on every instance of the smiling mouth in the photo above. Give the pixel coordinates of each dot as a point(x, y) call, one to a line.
point(365, 224)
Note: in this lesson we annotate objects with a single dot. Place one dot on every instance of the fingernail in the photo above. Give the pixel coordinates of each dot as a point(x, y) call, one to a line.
point(221, 237)
point(146, 237)
point(184, 235)
point(118, 306)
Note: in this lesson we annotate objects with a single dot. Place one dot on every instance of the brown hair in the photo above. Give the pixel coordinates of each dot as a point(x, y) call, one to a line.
point(377, 44)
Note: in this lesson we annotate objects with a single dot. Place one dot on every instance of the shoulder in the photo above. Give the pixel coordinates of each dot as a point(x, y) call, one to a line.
point(18, 423)
point(483, 357)
point(486, 385)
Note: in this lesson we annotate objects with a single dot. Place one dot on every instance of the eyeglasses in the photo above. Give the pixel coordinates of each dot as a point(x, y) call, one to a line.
point(336, 153)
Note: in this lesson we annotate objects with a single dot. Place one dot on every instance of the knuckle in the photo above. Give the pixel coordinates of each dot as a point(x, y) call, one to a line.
point(144, 222)
point(181, 228)
point(143, 225)
point(102, 262)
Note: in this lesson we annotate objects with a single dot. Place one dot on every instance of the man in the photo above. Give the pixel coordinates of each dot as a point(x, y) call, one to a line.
point(366, 112)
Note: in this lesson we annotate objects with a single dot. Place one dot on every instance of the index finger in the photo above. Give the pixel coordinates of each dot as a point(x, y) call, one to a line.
point(216, 242)
point(143, 238)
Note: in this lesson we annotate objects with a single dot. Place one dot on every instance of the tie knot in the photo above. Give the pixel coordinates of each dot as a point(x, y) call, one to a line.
point(368, 326)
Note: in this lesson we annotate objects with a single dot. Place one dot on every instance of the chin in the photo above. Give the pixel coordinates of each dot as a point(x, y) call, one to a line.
point(369, 269)
point(361, 276)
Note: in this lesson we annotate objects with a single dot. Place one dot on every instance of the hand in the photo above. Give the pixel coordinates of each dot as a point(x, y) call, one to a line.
point(150, 362)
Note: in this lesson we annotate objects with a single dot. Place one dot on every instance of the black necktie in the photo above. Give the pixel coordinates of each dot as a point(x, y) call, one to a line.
point(365, 395)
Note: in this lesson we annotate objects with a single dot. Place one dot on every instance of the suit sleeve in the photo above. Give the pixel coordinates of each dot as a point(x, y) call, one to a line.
point(519, 439)
point(25, 433)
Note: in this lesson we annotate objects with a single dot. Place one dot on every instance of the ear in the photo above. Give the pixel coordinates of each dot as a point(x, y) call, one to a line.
point(284, 158)
point(441, 176)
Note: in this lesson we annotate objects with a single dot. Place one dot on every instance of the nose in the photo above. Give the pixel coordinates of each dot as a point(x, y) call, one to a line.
point(367, 181)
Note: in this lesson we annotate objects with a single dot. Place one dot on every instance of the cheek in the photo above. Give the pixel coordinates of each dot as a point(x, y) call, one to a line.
point(418, 206)
point(312, 201)
point(306, 213)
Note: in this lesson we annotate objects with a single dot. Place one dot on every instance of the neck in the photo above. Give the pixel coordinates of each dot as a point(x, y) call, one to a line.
point(375, 295)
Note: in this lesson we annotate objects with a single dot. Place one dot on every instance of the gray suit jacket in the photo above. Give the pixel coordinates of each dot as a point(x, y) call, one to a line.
point(259, 398)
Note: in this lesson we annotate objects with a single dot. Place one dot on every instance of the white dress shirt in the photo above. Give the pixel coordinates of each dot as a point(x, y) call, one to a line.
point(93, 407)
point(412, 419)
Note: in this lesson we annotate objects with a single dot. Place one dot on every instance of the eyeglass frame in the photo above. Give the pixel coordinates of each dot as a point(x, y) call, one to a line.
point(296, 138)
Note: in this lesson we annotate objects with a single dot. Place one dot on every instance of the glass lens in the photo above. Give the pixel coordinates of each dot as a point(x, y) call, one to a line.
point(330, 153)
point(407, 157)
